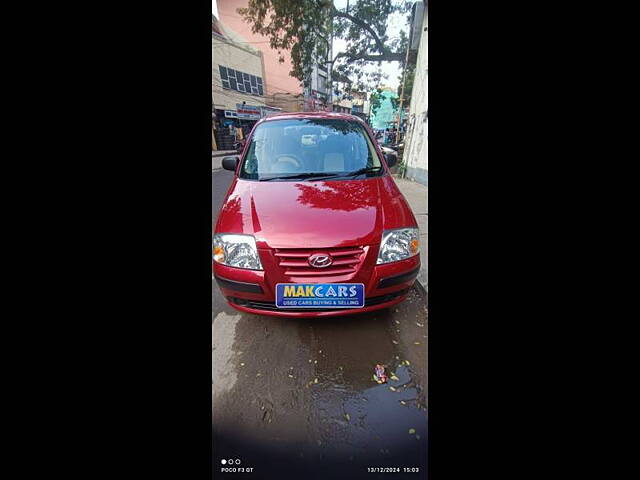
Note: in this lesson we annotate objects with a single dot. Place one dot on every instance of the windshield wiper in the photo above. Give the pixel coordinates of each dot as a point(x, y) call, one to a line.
point(324, 175)
point(348, 174)
point(362, 170)
point(297, 175)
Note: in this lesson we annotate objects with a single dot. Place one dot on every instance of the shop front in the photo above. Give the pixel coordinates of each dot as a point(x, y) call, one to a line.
point(233, 125)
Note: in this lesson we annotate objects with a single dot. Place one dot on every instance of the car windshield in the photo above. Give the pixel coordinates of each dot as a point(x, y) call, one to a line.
point(310, 148)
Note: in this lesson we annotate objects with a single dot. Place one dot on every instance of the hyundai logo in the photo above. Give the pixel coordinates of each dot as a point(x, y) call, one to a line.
point(320, 260)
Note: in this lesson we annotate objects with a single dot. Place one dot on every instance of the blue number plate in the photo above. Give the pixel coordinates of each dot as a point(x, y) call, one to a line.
point(320, 295)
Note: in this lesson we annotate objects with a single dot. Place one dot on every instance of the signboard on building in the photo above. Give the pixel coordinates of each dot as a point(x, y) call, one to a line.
point(230, 114)
point(267, 110)
point(248, 112)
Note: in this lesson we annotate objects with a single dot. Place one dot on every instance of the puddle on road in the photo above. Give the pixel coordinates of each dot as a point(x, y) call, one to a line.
point(372, 419)
point(348, 410)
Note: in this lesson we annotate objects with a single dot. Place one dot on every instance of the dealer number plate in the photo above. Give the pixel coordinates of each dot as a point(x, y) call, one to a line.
point(320, 295)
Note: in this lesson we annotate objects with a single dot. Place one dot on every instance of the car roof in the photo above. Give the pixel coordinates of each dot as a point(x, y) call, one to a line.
point(302, 115)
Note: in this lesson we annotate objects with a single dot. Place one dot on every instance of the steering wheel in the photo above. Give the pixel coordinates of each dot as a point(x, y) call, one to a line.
point(287, 160)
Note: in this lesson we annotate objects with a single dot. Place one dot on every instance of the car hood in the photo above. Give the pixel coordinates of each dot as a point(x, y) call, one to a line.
point(314, 214)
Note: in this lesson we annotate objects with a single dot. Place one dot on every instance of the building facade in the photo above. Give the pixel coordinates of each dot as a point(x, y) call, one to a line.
point(385, 115)
point(317, 90)
point(360, 105)
point(281, 90)
point(238, 87)
point(416, 140)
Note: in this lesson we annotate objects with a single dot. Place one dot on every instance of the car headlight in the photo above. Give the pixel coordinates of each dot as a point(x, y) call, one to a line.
point(398, 244)
point(236, 250)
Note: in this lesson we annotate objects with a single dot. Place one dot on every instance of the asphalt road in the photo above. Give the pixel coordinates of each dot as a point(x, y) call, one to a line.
point(296, 397)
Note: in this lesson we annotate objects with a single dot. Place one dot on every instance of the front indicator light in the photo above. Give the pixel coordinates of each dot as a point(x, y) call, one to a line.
point(414, 246)
point(218, 254)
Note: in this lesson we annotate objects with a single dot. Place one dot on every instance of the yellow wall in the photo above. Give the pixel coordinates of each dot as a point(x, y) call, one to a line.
point(239, 58)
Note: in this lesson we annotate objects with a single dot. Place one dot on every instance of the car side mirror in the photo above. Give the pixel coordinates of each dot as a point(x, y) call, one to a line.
point(230, 163)
point(391, 160)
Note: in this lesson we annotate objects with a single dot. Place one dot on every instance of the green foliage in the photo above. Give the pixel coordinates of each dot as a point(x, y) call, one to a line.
point(295, 26)
point(395, 102)
point(375, 100)
point(402, 167)
point(305, 27)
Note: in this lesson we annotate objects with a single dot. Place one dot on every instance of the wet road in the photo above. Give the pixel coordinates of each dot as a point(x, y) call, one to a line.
point(297, 397)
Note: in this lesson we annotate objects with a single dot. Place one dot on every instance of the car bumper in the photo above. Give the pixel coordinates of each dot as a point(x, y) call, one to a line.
point(249, 291)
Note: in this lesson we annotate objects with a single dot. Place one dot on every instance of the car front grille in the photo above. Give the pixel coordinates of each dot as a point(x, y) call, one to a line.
point(295, 261)
point(271, 306)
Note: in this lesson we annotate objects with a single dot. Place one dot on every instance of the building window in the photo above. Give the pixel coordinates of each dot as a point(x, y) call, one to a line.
point(240, 81)
point(322, 83)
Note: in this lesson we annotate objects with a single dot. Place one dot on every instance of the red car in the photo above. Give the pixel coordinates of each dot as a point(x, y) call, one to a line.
point(313, 223)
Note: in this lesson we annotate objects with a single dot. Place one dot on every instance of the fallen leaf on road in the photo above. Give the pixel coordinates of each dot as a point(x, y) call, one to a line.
point(290, 375)
point(403, 402)
point(416, 343)
point(346, 415)
point(242, 364)
point(392, 389)
point(419, 324)
point(380, 376)
point(258, 374)
point(315, 381)
point(397, 321)
point(394, 342)
point(412, 431)
point(393, 377)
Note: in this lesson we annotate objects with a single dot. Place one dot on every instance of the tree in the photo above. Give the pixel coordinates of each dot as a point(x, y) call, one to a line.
point(375, 100)
point(305, 27)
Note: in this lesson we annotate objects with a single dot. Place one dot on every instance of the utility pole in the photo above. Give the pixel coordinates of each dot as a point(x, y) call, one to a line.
point(404, 77)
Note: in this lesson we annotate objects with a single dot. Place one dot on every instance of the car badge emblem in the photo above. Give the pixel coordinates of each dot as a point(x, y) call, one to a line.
point(320, 260)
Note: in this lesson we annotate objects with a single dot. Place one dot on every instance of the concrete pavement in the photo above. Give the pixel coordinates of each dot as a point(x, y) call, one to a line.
point(416, 195)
